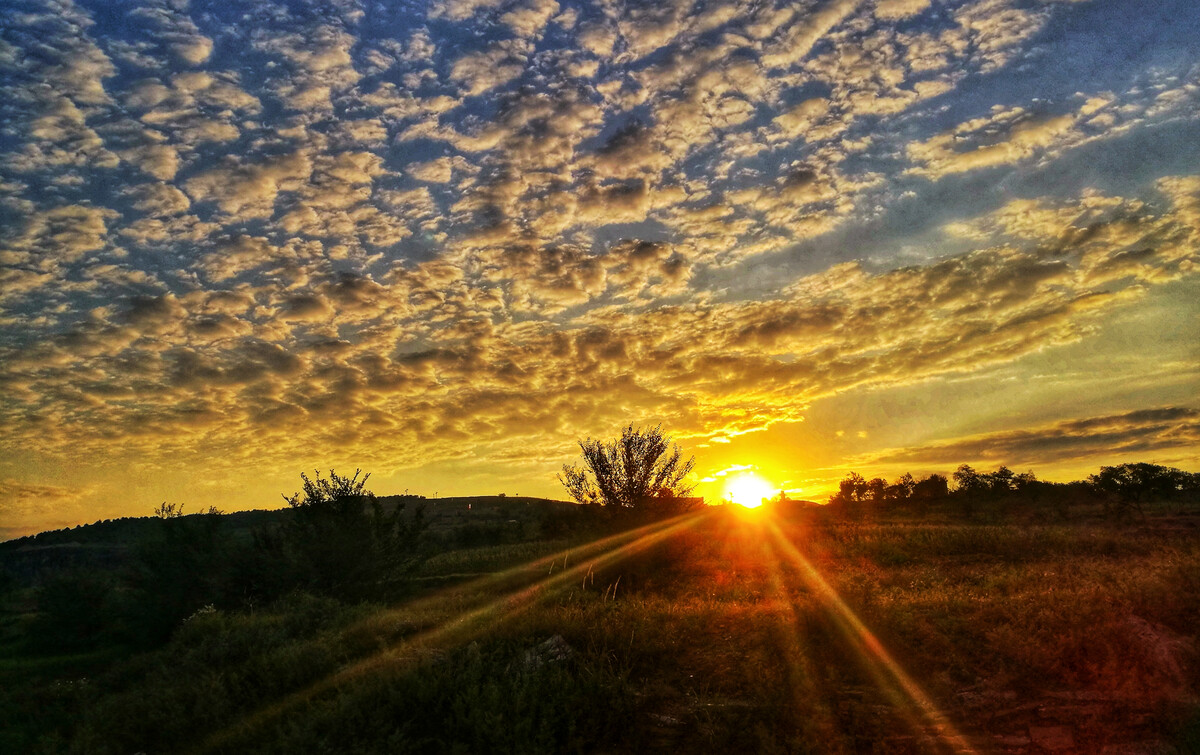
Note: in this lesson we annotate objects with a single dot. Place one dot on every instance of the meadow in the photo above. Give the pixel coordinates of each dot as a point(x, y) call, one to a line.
point(723, 630)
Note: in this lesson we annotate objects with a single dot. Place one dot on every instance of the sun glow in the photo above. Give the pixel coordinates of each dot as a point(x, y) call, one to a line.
point(748, 489)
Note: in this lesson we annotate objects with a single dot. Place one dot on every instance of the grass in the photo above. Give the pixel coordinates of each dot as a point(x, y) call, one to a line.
point(473, 561)
point(715, 637)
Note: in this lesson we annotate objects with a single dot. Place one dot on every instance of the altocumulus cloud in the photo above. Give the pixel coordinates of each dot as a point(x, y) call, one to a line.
point(250, 232)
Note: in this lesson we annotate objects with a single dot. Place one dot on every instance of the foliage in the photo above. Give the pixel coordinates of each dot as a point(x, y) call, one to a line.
point(1125, 488)
point(176, 569)
point(642, 470)
point(73, 610)
point(856, 495)
point(1121, 491)
point(340, 540)
point(724, 651)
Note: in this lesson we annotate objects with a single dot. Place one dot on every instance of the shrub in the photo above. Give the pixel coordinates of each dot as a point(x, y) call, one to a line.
point(641, 470)
point(341, 542)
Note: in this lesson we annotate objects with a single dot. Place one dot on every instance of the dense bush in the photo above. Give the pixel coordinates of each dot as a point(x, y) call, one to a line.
point(75, 612)
point(340, 540)
point(337, 541)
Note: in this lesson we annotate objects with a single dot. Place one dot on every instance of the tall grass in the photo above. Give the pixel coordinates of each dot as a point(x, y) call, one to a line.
point(710, 641)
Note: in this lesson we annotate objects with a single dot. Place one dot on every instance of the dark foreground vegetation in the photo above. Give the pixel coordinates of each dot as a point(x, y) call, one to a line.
point(348, 623)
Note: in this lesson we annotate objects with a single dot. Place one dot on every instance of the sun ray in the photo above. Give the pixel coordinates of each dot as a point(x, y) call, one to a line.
point(795, 658)
point(462, 626)
point(886, 669)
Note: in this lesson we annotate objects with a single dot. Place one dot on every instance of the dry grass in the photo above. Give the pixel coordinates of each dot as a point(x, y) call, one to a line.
point(714, 638)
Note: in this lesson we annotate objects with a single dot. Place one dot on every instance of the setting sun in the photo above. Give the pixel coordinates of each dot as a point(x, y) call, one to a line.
point(748, 489)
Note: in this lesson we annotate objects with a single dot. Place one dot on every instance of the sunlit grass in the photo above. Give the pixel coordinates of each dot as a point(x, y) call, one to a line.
point(891, 677)
point(717, 632)
point(462, 622)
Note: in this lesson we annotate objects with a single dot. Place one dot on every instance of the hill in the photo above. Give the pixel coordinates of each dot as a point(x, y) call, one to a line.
point(720, 631)
point(470, 520)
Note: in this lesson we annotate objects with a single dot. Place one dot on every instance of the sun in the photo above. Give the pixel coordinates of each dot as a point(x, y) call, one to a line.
point(748, 489)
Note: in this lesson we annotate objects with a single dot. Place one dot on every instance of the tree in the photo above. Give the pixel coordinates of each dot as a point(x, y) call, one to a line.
point(967, 480)
point(177, 568)
point(1127, 487)
point(901, 491)
point(852, 491)
point(969, 487)
point(1001, 481)
point(1026, 482)
point(341, 541)
point(642, 470)
point(933, 488)
point(876, 490)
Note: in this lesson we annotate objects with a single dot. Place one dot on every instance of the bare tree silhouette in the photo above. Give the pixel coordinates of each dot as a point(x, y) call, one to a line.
point(641, 470)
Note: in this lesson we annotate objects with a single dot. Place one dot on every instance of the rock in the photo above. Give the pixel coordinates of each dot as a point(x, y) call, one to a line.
point(1053, 738)
point(665, 720)
point(553, 650)
point(1135, 748)
point(1163, 655)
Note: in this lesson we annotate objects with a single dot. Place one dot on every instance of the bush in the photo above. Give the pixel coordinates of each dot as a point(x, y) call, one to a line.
point(642, 470)
point(341, 542)
point(74, 612)
point(176, 570)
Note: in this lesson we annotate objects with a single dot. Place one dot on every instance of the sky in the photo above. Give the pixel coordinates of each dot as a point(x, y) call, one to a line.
point(444, 241)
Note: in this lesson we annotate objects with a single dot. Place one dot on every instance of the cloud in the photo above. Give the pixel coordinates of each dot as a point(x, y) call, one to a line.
point(21, 497)
point(60, 138)
point(59, 235)
point(800, 37)
point(492, 225)
point(799, 119)
point(305, 308)
point(1136, 435)
point(318, 65)
point(1023, 137)
point(68, 61)
point(174, 31)
point(529, 18)
point(498, 64)
point(159, 199)
point(159, 160)
point(598, 39)
point(461, 10)
point(250, 190)
point(241, 254)
point(897, 9)
point(153, 315)
point(437, 171)
point(195, 108)
point(651, 27)
point(30, 507)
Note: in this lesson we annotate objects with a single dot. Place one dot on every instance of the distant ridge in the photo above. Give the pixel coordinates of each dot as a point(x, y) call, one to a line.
point(122, 530)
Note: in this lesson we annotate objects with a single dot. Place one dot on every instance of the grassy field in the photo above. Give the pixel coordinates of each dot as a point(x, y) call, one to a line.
point(716, 632)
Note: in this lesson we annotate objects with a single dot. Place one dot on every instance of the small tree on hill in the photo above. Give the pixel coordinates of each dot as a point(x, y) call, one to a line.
point(901, 491)
point(342, 542)
point(642, 470)
point(935, 487)
point(852, 492)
